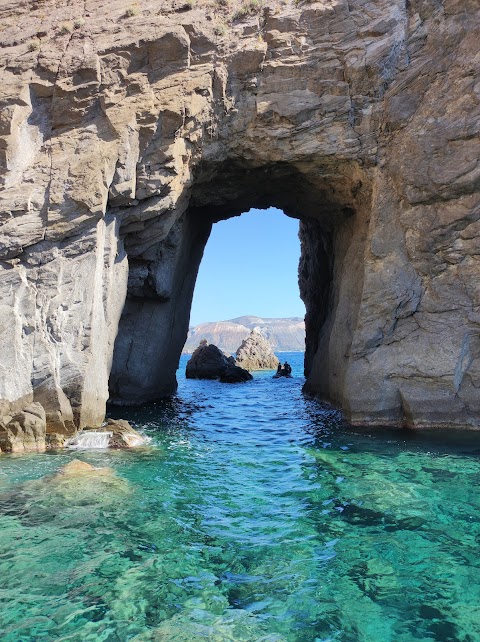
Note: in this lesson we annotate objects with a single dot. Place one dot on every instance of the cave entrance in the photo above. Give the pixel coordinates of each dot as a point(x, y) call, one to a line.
point(248, 277)
point(163, 272)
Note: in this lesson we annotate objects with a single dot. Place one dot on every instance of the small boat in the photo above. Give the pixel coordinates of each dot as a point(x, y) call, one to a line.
point(280, 376)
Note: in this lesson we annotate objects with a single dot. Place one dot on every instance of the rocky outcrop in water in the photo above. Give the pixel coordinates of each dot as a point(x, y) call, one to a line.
point(235, 374)
point(256, 353)
point(124, 135)
point(26, 432)
point(123, 435)
point(117, 433)
point(208, 362)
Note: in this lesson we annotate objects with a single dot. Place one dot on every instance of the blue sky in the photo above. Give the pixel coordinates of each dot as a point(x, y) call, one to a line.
point(249, 267)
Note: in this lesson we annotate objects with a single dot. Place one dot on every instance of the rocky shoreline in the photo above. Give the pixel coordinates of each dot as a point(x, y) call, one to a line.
point(27, 432)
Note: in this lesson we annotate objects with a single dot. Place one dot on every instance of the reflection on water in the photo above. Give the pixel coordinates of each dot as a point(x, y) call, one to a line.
point(253, 516)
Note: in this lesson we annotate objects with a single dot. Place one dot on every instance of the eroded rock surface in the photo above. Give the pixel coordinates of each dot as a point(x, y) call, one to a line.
point(256, 353)
point(25, 431)
point(123, 435)
point(117, 433)
point(124, 135)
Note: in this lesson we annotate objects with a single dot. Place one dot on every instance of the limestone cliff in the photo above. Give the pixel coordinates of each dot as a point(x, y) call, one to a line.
point(127, 130)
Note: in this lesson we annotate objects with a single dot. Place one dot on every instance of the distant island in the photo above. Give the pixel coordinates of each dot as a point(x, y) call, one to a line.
point(285, 335)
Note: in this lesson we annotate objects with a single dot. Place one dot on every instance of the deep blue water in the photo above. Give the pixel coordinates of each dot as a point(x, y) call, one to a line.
point(253, 515)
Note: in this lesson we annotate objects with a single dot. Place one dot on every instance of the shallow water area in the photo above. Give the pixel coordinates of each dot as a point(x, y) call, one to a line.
point(253, 515)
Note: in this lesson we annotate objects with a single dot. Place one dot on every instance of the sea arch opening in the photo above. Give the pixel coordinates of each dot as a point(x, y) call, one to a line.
point(330, 204)
point(248, 278)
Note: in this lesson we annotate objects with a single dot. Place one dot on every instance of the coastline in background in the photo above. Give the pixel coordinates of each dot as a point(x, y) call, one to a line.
point(285, 335)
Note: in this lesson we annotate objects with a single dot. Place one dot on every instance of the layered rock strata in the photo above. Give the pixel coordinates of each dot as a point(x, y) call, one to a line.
point(256, 353)
point(126, 132)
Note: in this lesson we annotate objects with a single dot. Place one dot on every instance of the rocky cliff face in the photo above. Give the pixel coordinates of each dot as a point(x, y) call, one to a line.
point(127, 131)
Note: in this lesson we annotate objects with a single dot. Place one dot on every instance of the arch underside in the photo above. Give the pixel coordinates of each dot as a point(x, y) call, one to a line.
point(353, 358)
point(155, 319)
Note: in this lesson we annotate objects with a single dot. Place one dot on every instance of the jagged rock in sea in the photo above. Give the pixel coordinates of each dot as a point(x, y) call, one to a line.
point(123, 435)
point(256, 353)
point(126, 136)
point(208, 362)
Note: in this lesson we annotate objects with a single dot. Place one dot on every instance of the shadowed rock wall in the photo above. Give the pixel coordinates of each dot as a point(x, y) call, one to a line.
point(123, 138)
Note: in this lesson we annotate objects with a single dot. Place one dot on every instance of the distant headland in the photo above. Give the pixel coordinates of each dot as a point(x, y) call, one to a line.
point(285, 335)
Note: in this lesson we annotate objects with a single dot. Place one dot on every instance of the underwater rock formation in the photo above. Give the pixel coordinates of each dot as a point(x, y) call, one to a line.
point(125, 135)
point(256, 353)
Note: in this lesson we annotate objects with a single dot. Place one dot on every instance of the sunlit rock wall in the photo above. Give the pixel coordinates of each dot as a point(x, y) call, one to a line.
point(119, 131)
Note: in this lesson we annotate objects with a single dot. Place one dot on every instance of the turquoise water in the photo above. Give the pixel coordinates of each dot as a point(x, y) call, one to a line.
point(253, 515)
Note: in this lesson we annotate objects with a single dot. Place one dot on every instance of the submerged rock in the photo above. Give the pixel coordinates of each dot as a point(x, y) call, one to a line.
point(75, 467)
point(209, 362)
point(79, 484)
point(75, 493)
point(256, 353)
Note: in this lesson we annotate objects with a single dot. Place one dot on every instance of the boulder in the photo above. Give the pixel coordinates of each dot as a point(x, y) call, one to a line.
point(235, 374)
point(123, 435)
point(117, 433)
point(25, 431)
point(256, 353)
point(209, 362)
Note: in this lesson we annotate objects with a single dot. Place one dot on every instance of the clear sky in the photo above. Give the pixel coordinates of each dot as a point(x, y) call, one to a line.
point(250, 266)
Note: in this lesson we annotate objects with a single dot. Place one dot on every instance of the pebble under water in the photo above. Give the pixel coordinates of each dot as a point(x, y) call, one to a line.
point(253, 515)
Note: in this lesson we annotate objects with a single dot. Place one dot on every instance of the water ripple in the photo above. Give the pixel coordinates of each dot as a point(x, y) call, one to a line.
point(254, 516)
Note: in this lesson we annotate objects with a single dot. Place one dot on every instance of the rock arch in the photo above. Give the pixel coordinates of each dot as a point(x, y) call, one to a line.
point(154, 324)
point(123, 141)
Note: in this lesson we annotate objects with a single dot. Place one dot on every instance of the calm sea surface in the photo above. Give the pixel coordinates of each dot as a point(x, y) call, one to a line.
point(253, 515)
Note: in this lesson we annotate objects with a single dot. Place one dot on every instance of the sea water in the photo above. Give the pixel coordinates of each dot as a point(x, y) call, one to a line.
point(253, 515)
